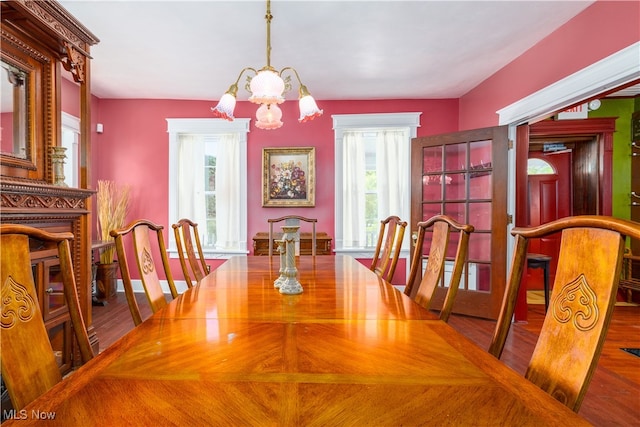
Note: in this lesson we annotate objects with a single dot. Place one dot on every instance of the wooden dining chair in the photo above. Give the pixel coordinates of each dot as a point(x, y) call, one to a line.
point(293, 220)
point(385, 258)
point(186, 232)
point(581, 302)
point(138, 234)
point(29, 367)
point(422, 292)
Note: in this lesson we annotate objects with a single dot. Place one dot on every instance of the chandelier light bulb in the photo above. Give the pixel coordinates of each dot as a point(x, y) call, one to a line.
point(268, 117)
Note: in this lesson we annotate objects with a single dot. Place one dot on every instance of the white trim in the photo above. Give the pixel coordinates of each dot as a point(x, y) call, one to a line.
point(367, 254)
point(341, 122)
point(71, 122)
point(615, 70)
point(206, 126)
point(181, 286)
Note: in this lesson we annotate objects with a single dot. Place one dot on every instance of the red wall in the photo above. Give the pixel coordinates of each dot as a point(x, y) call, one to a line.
point(70, 99)
point(134, 150)
point(134, 146)
point(602, 29)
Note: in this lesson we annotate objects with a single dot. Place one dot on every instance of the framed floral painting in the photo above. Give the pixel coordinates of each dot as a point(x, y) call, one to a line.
point(288, 176)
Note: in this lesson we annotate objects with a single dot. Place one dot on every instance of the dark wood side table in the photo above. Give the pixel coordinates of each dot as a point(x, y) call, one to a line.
point(541, 261)
point(323, 243)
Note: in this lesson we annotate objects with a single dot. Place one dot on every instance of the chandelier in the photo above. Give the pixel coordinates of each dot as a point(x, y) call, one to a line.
point(267, 86)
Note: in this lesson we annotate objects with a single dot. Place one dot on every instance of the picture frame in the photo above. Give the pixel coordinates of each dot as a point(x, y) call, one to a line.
point(288, 177)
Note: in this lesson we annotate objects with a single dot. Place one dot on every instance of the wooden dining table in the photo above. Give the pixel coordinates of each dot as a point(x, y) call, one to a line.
point(350, 350)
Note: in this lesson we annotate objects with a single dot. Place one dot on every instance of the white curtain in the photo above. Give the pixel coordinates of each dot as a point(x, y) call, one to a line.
point(353, 192)
point(392, 164)
point(228, 192)
point(191, 197)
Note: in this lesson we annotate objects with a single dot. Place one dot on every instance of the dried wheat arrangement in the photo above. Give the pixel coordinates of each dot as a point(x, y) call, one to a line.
point(113, 203)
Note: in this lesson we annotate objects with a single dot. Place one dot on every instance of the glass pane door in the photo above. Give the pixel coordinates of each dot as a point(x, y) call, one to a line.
point(464, 175)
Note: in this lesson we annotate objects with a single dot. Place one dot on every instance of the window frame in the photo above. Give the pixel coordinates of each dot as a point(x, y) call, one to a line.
point(71, 124)
point(364, 122)
point(207, 127)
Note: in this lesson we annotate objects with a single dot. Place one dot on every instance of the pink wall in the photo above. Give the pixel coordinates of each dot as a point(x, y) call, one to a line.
point(134, 146)
point(599, 31)
point(70, 97)
point(134, 150)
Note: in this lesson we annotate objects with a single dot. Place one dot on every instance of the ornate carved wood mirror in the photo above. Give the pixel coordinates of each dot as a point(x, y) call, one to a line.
point(39, 40)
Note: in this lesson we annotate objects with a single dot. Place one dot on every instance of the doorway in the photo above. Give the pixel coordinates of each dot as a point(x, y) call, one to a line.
point(579, 153)
point(551, 191)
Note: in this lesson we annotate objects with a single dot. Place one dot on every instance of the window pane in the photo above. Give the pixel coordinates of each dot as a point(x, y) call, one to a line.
point(480, 153)
point(432, 187)
point(539, 167)
point(456, 211)
point(211, 206)
point(372, 220)
point(480, 186)
point(456, 186)
point(455, 157)
point(480, 246)
point(430, 209)
point(210, 173)
point(480, 216)
point(432, 159)
point(211, 237)
point(478, 277)
point(483, 277)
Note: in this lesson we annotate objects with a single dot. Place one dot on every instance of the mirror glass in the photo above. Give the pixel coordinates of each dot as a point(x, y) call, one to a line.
point(13, 111)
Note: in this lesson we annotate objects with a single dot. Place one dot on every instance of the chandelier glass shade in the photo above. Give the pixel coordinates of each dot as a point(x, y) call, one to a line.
point(267, 88)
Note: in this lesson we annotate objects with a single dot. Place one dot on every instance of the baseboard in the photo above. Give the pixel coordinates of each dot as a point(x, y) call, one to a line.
point(181, 286)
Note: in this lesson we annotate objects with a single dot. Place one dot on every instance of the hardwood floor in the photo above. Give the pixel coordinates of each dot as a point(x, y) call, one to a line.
point(613, 398)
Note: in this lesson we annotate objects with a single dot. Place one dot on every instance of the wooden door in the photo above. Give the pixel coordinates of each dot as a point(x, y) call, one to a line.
point(464, 175)
point(550, 198)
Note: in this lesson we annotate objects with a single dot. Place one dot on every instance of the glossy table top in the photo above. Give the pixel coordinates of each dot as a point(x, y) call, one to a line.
point(350, 350)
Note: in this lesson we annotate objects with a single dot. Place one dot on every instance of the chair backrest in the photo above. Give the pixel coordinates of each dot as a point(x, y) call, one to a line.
point(388, 247)
point(581, 302)
point(139, 232)
point(423, 292)
point(186, 232)
point(29, 367)
point(291, 219)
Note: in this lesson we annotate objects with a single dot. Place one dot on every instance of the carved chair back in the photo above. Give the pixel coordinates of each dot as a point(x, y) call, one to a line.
point(29, 367)
point(581, 302)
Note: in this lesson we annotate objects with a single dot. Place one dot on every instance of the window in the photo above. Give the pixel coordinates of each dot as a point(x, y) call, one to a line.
point(70, 140)
point(208, 182)
point(539, 167)
point(372, 175)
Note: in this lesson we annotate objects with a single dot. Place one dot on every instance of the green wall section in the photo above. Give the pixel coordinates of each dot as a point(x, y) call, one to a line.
point(622, 109)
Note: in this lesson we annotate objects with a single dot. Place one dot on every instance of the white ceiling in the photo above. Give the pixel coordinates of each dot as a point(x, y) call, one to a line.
point(341, 49)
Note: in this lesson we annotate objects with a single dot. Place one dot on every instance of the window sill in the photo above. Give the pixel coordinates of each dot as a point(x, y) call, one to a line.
point(365, 252)
point(211, 254)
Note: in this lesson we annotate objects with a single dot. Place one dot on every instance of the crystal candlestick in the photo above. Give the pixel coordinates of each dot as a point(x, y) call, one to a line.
point(290, 285)
point(57, 162)
point(283, 263)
